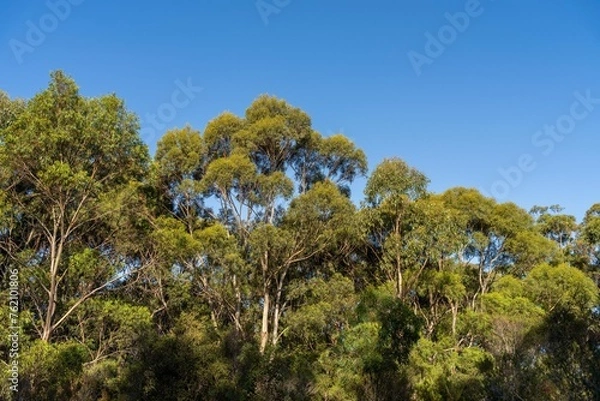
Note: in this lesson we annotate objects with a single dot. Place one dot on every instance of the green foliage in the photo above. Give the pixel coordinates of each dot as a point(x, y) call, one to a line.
point(51, 372)
point(591, 224)
point(440, 371)
point(562, 287)
point(394, 178)
point(341, 370)
point(234, 266)
point(326, 308)
point(557, 227)
point(110, 328)
point(60, 155)
point(179, 153)
point(186, 364)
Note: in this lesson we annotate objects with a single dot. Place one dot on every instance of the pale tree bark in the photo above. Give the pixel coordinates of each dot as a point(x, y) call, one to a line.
point(278, 307)
point(264, 331)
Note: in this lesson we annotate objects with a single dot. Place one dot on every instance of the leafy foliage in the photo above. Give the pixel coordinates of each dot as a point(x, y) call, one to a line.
point(233, 265)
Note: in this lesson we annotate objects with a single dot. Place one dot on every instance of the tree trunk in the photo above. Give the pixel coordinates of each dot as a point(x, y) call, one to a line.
point(399, 282)
point(277, 311)
point(454, 307)
point(238, 306)
point(264, 332)
point(55, 256)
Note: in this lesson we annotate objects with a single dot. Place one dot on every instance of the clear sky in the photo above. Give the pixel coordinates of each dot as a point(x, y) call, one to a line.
point(459, 103)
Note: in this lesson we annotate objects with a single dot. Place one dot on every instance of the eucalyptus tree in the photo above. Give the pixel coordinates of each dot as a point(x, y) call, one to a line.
point(590, 241)
point(390, 191)
point(66, 165)
point(554, 225)
point(314, 222)
point(499, 238)
point(238, 186)
point(9, 111)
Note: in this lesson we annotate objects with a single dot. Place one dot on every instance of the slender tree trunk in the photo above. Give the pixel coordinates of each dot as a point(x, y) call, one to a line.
point(209, 300)
point(454, 308)
point(264, 332)
point(213, 318)
point(55, 256)
point(238, 306)
point(275, 333)
point(277, 311)
point(399, 282)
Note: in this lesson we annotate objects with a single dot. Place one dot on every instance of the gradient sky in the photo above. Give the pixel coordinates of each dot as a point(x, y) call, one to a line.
point(473, 110)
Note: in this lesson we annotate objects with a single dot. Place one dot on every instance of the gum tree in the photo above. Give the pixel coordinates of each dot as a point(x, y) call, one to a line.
point(66, 162)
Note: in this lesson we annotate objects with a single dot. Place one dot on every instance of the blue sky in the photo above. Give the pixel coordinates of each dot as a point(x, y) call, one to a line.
point(473, 110)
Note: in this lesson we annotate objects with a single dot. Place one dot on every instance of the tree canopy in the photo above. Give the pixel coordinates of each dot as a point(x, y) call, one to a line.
point(234, 265)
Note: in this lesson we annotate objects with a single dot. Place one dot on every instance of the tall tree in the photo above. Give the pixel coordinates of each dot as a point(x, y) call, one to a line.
point(63, 161)
point(589, 242)
point(390, 191)
point(498, 238)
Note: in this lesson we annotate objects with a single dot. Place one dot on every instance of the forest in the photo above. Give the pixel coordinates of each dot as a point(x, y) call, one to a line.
point(235, 265)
